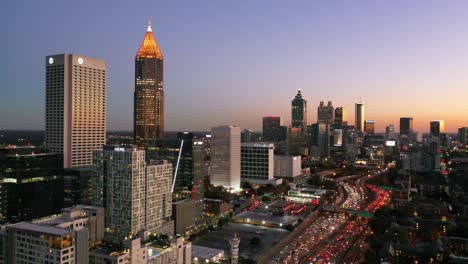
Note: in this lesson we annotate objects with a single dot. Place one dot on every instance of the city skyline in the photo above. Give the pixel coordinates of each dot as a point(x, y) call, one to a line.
point(211, 71)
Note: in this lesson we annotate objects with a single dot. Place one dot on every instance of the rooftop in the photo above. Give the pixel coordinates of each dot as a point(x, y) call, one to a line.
point(51, 230)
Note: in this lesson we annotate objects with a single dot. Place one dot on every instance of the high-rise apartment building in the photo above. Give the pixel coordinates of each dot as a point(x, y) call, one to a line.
point(75, 107)
point(136, 196)
point(257, 163)
point(148, 112)
point(272, 128)
point(406, 126)
point(437, 128)
point(369, 127)
point(326, 113)
point(341, 116)
point(299, 111)
point(226, 157)
point(359, 116)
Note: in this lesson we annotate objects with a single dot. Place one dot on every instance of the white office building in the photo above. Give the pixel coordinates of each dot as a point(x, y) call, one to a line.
point(226, 157)
point(287, 166)
point(136, 196)
point(257, 163)
point(75, 107)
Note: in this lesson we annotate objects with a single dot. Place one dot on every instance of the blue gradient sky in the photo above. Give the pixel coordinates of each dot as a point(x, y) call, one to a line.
point(236, 61)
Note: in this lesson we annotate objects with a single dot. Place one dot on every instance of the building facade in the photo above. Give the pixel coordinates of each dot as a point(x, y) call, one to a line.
point(437, 128)
point(287, 166)
point(226, 157)
point(326, 113)
point(136, 196)
point(406, 126)
point(299, 111)
point(463, 135)
point(341, 116)
point(257, 163)
point(359, 116)
point(31, 184)
point(75, 107)
point(148, 112)
point(271, 129)
point(369, 127)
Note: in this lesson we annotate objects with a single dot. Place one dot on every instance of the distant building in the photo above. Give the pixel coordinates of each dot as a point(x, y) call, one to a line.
point(337, 137)
point(325, 113)
point(75, 107)
point(246, 136)
point(226, 157)
point(324, 139)
point(257, 163)
point(463, 136)
point(390, 132)
point(369, 127)
point(436, 128)
point(136, 200)
point(148, 111)
point(341, 116)
point(299, 111)
point(359, 116)
point(272, 129)
point(406, 126)
point(31, 184)
point(217, 207)
point(287, 166)
point(202, 255)
point(295, 141)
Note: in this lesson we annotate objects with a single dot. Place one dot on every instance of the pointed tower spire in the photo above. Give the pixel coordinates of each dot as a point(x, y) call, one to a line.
point(149, 47)
point(149, 26)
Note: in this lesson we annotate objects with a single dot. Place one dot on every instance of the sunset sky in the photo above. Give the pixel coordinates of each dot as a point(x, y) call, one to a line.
point(232, 62)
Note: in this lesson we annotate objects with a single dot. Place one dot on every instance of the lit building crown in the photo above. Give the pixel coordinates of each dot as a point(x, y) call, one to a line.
point(149, 47)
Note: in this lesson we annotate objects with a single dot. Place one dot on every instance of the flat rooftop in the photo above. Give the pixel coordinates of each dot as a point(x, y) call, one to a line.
point(205, 252)
point(50, 230)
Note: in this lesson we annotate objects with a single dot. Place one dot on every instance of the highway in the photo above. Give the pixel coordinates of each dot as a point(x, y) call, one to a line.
point(336, 236)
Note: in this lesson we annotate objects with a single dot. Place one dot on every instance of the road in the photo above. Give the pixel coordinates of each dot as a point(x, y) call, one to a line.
point(337, 236)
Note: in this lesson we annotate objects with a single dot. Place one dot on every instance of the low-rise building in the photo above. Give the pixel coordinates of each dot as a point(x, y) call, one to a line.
point(216, 207)
point(206, 255)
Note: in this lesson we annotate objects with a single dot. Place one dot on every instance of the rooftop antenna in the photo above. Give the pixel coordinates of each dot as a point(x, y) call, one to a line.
point(149, 26)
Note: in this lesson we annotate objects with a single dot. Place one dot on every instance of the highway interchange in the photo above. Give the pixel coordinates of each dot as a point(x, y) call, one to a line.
point(337, 235)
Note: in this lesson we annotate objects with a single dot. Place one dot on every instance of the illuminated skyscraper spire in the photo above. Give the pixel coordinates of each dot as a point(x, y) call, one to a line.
point(149, 91)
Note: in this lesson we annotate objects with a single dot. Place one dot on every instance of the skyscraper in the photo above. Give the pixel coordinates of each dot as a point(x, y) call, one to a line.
point(324, 139)
point(436, 128)
point(341, 116)
point(226, 157)
point(369, 127)
point(75, 107)
point(136, 196)
point(299, 111)
point(257, 162)
point(271, 128)
point(148, 112)
point(325, 113)
point(359, 116)
point(406, 126)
